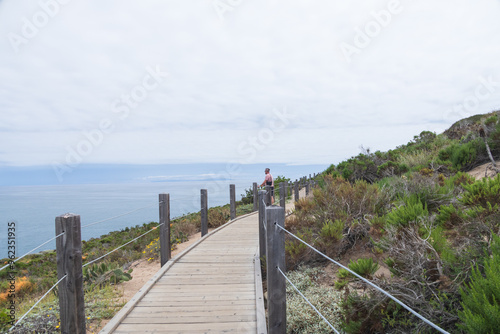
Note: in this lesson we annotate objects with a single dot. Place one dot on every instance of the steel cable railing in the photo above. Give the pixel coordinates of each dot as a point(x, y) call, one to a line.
point(31, 251)
point(121, 215)
point(39, 300)
point(114, 250)
point(367, 281)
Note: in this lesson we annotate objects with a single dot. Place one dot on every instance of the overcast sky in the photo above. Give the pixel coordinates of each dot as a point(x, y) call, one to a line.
point(298, 82)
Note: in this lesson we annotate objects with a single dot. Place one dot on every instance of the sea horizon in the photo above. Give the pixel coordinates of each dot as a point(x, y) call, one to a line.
point(33, 207)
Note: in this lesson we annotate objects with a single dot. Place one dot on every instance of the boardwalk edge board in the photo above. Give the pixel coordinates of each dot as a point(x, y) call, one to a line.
point(117, 319)
point(259, 298)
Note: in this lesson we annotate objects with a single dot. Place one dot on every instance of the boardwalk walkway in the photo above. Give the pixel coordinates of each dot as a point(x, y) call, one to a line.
point(212, 287)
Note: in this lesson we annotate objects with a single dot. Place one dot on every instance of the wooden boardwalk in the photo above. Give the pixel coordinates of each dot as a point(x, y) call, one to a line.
point(213, 287)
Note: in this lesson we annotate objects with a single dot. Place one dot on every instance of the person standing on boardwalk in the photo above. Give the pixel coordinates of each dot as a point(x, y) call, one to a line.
point(269, 181)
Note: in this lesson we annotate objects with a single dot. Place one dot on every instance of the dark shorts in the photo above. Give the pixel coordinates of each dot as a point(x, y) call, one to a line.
point(271, 189)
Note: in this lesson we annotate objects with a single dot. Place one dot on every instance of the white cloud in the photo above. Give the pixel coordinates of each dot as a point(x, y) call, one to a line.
point(227, 76)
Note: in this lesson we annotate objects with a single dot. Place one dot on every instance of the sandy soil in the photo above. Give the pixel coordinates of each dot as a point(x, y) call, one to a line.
point(483, 171)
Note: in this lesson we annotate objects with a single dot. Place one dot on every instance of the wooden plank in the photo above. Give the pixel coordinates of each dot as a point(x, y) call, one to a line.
point(260, 312)
point(195, 309)
point(151, 297)
point(223, 327)
point(201, 287)
point(208, 303)
point(189, 319)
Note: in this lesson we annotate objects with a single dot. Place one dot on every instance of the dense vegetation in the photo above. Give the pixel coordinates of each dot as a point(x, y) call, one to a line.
point(417, 225)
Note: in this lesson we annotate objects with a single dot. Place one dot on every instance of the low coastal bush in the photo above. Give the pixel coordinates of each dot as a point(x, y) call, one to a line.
point(409, 212)
point(301, 318)
point(481, 297)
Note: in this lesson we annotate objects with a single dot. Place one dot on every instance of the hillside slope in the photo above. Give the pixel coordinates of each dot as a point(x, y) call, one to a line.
point(415, 223)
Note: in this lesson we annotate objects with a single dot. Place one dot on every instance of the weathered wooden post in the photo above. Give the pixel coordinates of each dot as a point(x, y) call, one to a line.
point(165, 247)
point(69, 262)
point(268, 196)
point(262, 230)
point(255, 197)
point(204, 212)
point(296, 191)
point(232, 200)
point(308, 185)
point(282, 194)
point(275, 258)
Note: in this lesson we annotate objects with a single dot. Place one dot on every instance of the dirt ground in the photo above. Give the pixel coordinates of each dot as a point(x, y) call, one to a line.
point(482, 171)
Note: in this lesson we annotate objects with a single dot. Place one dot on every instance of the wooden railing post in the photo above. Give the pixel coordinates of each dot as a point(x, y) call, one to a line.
point(296, 191)
point(275, 258)
point(262, 231)
point(69, 262)
point(165, 247)
point(232, 200)
point(308, 185)
point(268, 196)
point(282, 194)
point(255, 197)
point(204, 212)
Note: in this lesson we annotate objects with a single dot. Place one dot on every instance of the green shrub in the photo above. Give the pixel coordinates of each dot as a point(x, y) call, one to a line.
point(103, 273)
point(482, 192)
point(295, 250)
point(491, 120)
point(363, 267)
point(441, 245)
point(411, 211)
point(481, 297)
point(218, 216)
point(332, 230)
point(418, 158)
point(449, 216)
point(462, 155)
point(330, 169)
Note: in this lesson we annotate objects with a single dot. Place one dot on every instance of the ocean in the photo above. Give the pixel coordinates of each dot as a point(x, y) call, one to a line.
point(33, 208)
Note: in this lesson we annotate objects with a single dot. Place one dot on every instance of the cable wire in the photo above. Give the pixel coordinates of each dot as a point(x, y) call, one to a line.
point(369, 283)
point(31, 251)
point(39, 300)
point(124, 214)
point(151, 230)
point(307, 300)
